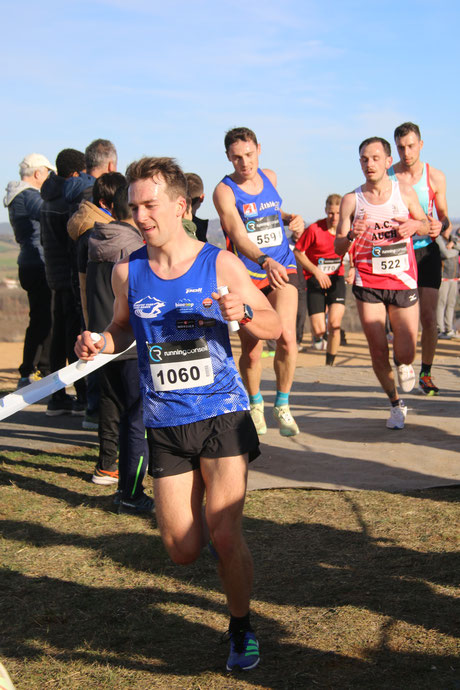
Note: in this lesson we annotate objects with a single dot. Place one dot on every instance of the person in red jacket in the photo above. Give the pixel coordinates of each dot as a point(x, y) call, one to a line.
point(324, 273)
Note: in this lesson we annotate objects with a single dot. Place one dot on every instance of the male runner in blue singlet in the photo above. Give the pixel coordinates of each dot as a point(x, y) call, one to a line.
point(249, 208)
point(199, 429)
point(430, 185)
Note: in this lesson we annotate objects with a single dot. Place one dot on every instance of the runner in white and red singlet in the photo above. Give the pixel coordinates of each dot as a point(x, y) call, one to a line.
point(379, 218)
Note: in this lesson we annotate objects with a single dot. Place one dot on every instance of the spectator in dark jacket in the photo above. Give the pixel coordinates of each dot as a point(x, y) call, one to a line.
point(55, 213)
point(121, 425)
point(24, 202)
point(100, 158)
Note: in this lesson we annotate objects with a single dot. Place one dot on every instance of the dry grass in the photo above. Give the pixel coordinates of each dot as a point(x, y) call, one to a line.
point(353, 590)
point(14, 307)
point(14, 314)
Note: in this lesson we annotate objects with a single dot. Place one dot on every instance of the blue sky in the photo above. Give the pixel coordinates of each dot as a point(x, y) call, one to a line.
point(311, 78)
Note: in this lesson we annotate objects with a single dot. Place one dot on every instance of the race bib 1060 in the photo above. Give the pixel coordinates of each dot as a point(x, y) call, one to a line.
point(265, 232)
point(179, 365)
point(392, 258)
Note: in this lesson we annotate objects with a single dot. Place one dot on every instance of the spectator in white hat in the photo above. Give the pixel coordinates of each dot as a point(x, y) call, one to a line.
point(24, 202)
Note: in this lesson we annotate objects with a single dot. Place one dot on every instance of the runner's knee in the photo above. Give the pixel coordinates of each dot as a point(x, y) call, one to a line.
point(405, 352)
point(428, 317)
point(334, 326)
point(251, 351)
point(287, 340)
point(379, 352)
point(225, 537)
point(183, 551)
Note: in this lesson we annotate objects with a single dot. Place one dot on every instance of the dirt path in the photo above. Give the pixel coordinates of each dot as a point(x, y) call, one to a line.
point(341, 412)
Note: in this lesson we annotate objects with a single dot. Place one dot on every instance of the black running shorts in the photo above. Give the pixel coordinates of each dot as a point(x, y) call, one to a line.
point(318, 298)
point(178, 449)
point(398, 298)
point(429, 266)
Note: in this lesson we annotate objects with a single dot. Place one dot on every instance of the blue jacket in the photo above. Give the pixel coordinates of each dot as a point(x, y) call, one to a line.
point(24, 204)
point(77, 189)
point(54, 237)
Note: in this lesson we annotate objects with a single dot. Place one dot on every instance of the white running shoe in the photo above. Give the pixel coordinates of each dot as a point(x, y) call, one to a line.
point(257, 413)
point(397, 417)
point(406, 377)
point(288, 427)
point(319, 343)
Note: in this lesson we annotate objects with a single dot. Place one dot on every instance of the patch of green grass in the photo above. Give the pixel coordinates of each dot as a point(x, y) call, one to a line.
point(8, 258)
point(352, 589)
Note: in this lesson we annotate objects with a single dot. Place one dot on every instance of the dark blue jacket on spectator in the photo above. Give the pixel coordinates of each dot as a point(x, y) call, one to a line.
point(55, 240)
point(24, 205)
point(77, 189)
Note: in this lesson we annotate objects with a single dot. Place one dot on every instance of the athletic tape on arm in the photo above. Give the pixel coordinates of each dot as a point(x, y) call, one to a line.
point(14, 402)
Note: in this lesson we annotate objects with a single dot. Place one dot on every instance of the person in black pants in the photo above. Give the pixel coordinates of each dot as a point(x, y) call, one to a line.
point(66, 312)
point(24, 202)
point(123, 450)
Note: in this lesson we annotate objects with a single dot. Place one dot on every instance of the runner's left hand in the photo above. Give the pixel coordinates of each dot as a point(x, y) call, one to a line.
point(406, 227)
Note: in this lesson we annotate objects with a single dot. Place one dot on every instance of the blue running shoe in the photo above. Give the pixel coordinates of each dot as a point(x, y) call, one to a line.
point(244, 651)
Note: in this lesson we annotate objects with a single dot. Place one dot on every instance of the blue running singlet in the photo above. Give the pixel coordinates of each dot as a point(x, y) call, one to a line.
point(186, 367)
point(261, 217)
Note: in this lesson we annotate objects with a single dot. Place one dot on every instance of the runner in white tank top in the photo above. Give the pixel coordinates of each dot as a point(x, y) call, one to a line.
point(430, 186)
point(381, 258)
point(379, 219)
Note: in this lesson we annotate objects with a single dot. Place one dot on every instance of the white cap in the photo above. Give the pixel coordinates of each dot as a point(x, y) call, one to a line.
point(36, 160)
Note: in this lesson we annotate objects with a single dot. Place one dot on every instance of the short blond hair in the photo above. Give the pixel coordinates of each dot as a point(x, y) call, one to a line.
point(333, 199)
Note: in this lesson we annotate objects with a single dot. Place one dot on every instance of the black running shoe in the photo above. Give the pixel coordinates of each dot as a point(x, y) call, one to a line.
point(78, 408)
point(61, 405)
point(137, 506)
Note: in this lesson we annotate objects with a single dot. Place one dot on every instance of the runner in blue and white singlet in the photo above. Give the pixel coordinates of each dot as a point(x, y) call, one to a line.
point(187, 371)
point(178, 296)
point(261, 216)
point(251, 216)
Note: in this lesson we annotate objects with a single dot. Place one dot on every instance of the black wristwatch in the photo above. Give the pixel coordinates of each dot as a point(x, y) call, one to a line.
point(350, 237)
point(248, 315)
point(262, 259)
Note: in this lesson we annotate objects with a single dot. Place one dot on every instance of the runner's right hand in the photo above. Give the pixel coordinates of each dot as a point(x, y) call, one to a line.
point(323, 279)
point(85, 348)
point(360, 225)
